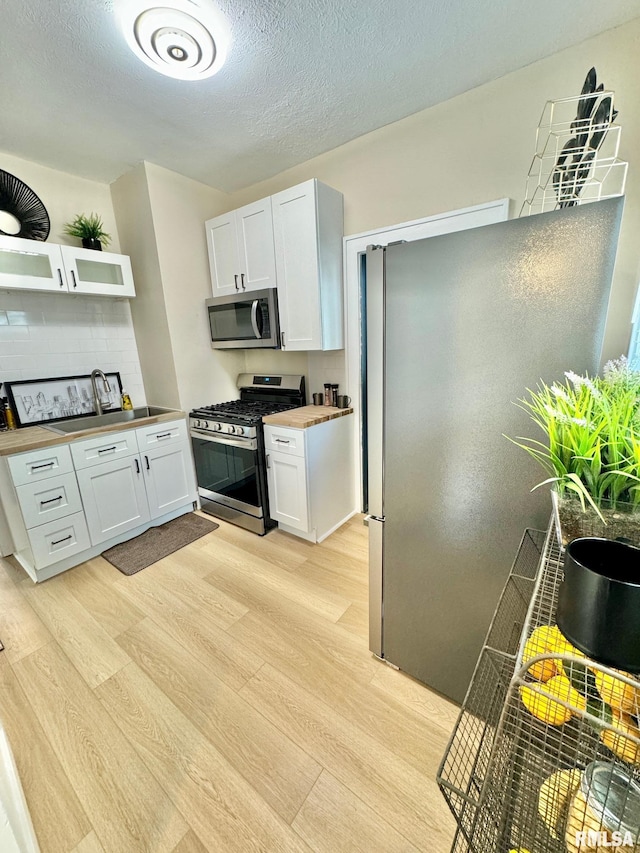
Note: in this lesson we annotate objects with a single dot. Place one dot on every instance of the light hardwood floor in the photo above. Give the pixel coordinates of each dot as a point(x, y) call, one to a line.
point(223, 699)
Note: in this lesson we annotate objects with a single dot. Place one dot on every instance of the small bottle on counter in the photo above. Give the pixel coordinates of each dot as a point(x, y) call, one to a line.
point(334, 395)
point(9, 416)
point(126, 403)
point(327, 393)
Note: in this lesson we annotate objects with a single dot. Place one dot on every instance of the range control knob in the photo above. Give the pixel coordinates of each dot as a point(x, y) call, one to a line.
point(239, 430)
point(204, 424)
point(216, 427)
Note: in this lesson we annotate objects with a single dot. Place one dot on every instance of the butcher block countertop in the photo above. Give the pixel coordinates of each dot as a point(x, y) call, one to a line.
point(305, 416)
point(36, 437)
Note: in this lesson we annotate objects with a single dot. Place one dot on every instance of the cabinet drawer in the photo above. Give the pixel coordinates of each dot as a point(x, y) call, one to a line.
point(58, 540)
point(95, 451)
point(49, 500)
point(284, 440)
point(39, 464)
point(159, 435)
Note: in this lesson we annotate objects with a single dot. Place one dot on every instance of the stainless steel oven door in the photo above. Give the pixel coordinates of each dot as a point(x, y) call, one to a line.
point(244, 320)
point(228, 471)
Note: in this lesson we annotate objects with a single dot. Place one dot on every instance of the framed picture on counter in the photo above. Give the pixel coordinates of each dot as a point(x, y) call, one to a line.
point(36, 401)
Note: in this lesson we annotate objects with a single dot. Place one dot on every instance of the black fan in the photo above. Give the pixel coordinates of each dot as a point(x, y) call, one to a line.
point(20, 201)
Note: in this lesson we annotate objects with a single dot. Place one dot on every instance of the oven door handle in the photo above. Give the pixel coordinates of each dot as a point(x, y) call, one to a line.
point(247, 443)
point(254, 319)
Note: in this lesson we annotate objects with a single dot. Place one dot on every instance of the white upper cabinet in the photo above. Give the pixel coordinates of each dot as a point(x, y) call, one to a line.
point(241, 251)
point(34, 265)
point(224, 263)
point(97, 273)
point(31, 265)
point(308, 230)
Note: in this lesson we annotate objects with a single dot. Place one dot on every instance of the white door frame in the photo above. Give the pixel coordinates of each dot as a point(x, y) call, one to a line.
point(353, 246)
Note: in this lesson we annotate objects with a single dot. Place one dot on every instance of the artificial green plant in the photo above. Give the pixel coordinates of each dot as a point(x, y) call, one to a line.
point(592, 431)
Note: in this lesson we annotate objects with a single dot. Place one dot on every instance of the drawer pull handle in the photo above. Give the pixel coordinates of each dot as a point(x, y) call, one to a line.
point(282, 440)
point(51, 500)
point(58, 541)
point(163, 435)
point(44, 465)
point(107, 449)
point(146, 459)
point(137, 465)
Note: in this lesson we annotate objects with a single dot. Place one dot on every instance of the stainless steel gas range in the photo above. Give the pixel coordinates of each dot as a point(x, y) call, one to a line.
point(228, 447)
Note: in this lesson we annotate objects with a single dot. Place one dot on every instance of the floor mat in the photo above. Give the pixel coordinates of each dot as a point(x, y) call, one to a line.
point(158, 542)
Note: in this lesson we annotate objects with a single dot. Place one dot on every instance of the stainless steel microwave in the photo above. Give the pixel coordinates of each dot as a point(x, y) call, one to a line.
point(244, 320)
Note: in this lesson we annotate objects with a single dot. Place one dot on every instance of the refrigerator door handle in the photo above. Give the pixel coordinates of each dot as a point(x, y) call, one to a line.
point(376, 378)
point(376, 544)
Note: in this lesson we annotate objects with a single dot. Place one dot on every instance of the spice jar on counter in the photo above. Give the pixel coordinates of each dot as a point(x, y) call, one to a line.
point(605, 811)
point(9, 416)
point(327, 393)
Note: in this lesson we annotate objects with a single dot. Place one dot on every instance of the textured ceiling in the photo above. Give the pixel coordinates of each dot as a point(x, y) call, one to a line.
point(302, 77)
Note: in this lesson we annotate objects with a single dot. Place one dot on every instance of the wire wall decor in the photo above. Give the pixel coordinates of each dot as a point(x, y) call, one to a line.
point(576, 158)
point(20, 202)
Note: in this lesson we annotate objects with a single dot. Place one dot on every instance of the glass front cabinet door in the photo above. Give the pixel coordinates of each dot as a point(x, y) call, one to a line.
point(31, 265)
point(97, 273)
point(34, 265)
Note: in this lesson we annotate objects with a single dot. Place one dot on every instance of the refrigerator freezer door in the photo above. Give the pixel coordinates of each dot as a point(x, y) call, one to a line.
point(376, 545)
point(472, 319)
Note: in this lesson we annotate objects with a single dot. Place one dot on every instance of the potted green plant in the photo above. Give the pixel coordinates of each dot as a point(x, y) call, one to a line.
point(591, 450)
point(89, 229)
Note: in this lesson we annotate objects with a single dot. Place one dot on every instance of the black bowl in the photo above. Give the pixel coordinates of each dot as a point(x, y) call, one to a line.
point(599, 601)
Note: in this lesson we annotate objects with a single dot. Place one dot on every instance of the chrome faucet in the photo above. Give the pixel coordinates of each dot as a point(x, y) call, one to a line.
point(96, 396)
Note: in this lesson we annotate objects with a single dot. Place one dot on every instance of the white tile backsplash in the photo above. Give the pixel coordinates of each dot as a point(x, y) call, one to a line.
point(45, 335)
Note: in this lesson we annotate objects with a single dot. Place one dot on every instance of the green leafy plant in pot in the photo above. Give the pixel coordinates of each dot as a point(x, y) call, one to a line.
point(90, 229)
point(591, 450)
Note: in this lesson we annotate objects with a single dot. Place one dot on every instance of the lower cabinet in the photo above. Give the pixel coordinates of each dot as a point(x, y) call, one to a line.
point(309, 477)
point(287, 484)
point(71, 502)
point(114, 498)
point(169, 478)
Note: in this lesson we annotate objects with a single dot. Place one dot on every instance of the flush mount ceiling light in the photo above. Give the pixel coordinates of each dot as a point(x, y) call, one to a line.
point(187, 39)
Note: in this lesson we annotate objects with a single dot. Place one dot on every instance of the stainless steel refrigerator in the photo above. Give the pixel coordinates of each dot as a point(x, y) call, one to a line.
point(458, 326)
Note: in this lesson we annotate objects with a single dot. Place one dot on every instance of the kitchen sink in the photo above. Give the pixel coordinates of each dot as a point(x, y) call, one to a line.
point(94, 421)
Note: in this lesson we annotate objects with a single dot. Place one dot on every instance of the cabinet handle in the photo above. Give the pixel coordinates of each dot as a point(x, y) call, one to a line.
point(44, 465)
point(282, 339)
point(242, 280)
point(58, 541)
point(236, 281)
point(281, 440)
point(51, 500)
point(268, 463)
point(137, 465)
point(146, 459)
point(60, 278)
point(73, 277)
point(107, 449)
point(163, 435)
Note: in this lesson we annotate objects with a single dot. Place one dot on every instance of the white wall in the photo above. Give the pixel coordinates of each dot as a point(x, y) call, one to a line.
point(45, 334)
point(179, 208)
point(478, 147)
point(64, 196)
point(130, 195)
